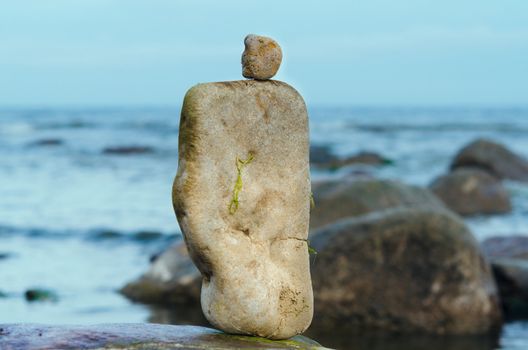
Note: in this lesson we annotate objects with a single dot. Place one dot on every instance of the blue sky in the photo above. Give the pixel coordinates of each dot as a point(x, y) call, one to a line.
point(375, 52)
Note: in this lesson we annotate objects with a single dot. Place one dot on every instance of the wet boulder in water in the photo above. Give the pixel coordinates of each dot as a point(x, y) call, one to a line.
point(335, 200)
point(321, 154)
point(172, 279)
point(512, 247)
point(127, 150)
point(47, 142)
point(472, 191)
point(494, 158)
point(40, 295)
point(402, 270)
point(509, 260)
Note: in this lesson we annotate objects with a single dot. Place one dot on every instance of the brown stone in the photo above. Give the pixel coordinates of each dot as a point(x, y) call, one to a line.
point(336, 200)
point(493, 158)
point(402, 270)
point(261, 58)
point(472, 191)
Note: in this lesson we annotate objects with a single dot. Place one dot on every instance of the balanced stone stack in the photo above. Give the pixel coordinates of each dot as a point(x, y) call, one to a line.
point(242, 198)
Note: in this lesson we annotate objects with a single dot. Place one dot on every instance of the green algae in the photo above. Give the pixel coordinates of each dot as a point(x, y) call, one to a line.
point(240, 163)
point(312, 201)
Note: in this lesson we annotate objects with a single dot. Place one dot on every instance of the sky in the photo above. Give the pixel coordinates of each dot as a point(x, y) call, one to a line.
point(88, 53)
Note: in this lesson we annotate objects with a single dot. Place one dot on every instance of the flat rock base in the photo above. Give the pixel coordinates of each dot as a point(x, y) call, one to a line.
point(135, 336)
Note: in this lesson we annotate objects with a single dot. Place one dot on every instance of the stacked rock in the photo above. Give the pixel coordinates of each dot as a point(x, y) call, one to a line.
point(242, 198)
point(261, 58)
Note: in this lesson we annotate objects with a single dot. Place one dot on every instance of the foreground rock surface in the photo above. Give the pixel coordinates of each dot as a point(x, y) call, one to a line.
point(336, 200)
point(402, 270)
point(494, 158)
point(242, 198)
point(135, 337)
point(472, 191)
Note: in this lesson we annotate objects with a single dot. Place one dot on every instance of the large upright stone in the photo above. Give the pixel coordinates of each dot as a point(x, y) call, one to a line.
point(242, 198)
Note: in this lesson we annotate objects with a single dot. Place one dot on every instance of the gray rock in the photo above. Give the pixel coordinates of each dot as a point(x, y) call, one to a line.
point(494, 158)
point(472, 191)
point(511, 247)
point(41, 295)
point(242, 198)
point(172, 279)
point(261, 58)
point(135, 337)
point(336, 200)
point(321, 154)
point(128, 150)
point(509, 260)
point(512, 278)
point(402, 270)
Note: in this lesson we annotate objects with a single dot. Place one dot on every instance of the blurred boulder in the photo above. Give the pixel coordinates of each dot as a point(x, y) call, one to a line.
point(321, 154)
point(472, 191)
point(40, 295)
point(402, 270)
point(509, 260)
point(128, 150)
point(361, 158)
point(6, 255)
point(172, 279)
point(493, 158)
point(47, 142)
point(335, 200)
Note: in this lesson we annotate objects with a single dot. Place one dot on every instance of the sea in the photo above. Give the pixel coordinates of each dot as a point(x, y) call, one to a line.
point(85, 197)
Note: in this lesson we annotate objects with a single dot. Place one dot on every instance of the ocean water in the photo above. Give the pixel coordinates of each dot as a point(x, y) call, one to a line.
point(83, 222)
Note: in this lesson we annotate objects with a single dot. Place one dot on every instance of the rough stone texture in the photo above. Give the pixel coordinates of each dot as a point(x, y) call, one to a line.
point(509, 260)
point(172, 279)
point(261, 58)
point(472, 191)
point(135, 337)
point(402, 270)
point(336, 200)
point(494, 158)
point(254, 262)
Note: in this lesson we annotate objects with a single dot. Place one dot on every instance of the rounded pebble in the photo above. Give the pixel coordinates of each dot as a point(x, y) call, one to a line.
point(261, 58)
